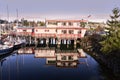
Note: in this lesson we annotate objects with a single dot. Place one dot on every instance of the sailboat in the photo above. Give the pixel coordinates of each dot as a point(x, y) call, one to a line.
point(18, 42)
point(6, 46)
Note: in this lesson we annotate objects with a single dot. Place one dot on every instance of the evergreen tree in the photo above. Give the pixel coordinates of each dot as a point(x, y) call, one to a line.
point(112, 40)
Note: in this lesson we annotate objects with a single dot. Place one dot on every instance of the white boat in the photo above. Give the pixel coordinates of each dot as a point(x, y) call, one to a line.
point(19, 43)
point(6, 48)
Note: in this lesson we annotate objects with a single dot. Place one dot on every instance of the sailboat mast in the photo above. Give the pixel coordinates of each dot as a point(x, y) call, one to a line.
point(7, 13)
point(17, 38)
point(8, 25)
point(17, 16)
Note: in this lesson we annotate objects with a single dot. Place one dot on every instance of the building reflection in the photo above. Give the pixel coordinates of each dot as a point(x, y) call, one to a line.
point(26, 50)
point(60, 58)
point(67, 59)
point(56, 57)
point(61, 63)
point(44, 53)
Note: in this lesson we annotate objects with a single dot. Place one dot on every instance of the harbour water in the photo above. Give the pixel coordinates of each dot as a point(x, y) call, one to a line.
point(42, 64)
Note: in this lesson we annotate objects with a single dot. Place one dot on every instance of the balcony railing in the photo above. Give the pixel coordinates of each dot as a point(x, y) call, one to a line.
point(65, 36)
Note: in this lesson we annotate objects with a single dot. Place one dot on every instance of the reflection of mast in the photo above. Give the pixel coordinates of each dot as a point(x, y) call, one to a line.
point(23, 59)
point(86, 62)
point(17, 68)
point(1, 63)
point(9, 68)
point(0, 71)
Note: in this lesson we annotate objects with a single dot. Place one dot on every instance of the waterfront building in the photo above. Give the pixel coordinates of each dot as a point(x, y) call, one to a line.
point(56, 29)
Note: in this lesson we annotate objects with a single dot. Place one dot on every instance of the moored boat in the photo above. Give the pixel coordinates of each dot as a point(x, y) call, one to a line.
point(5, 49)
point(18, 44)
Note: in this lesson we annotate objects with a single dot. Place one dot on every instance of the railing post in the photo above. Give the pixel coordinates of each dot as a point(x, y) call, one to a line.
point(35, 41)
point(58, 43)
point(47, 42)
point(75, 43)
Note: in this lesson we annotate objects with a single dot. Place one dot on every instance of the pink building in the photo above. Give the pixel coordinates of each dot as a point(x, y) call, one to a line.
point(56, 29)
point(64, 29)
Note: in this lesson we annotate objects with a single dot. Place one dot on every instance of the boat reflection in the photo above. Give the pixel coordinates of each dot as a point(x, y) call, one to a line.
point(2, 59)
point(56, 57)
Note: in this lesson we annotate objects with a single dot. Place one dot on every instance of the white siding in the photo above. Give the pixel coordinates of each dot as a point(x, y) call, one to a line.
point(76, 24)
point(76, 31)
point(29, 30)
point(51, 31)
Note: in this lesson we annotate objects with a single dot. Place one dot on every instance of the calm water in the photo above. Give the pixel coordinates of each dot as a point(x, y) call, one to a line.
point(23, 65)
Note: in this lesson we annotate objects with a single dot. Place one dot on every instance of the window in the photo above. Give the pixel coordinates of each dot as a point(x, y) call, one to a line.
point(70, 24)
point(63, 58)
point(78, 24)
point(64, 24)
point(36, 30)
point(56, 30)
point(70, 57)
point(71, 31)
point(46, 30)
point(52, 23)
point(79, 32)
point(64, 31)
point(33, 30)
point(24, 30)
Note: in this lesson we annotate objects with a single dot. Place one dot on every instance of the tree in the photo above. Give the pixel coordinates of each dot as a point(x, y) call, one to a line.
point(82, 24)
point(112, 40)
point(25, 22)
point(41, 23)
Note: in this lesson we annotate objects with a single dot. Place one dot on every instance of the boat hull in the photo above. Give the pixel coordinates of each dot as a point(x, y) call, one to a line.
point(6, 51)
point(18, 46)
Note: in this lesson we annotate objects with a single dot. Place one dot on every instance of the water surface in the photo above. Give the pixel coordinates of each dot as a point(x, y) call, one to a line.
point(26, 66)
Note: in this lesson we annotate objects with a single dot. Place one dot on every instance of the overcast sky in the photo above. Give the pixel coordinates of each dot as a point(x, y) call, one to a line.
point(72, 9)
